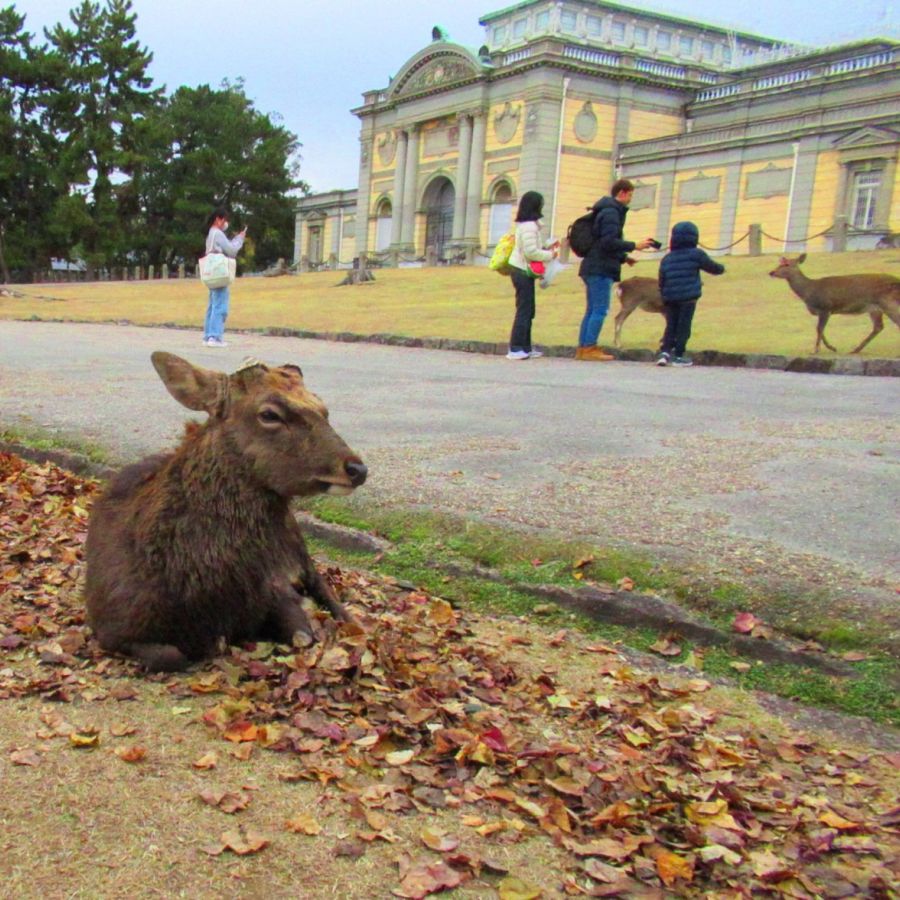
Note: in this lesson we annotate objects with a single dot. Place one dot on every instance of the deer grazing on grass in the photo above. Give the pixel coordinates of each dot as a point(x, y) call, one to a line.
point(637, 293)
point(187, 548)
point(851, 295)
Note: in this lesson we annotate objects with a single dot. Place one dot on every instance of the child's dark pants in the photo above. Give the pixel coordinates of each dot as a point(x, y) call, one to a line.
point(679, 316)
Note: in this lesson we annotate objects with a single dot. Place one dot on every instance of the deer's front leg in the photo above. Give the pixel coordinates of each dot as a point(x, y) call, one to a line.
point(820, 332)
point(286, 616)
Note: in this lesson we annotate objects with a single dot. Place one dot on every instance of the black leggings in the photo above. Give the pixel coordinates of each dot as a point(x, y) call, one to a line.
point(520, 339)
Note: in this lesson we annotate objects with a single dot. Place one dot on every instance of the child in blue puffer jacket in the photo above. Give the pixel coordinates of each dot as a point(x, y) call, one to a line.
point(680, 286)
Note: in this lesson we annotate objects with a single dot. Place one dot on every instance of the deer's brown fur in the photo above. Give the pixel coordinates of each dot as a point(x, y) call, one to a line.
point(188, 548)
point(849, 295)
point(637, 293)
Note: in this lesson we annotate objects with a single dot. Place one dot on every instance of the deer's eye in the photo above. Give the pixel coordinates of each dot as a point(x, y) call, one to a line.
point(269, 416)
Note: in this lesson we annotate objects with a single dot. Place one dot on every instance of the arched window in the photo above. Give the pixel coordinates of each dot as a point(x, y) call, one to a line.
point(501, 212)
point(383, 215)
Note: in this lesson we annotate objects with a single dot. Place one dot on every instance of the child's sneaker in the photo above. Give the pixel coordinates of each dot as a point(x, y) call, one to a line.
point(682, 361)
point(535, 354)
point(518, 354)
point(663, 359)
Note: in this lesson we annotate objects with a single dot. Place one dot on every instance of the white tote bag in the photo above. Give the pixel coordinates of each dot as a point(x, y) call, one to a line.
point(217, 270)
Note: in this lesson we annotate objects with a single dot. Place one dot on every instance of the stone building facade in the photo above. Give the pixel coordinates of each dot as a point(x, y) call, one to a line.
point(727, 129)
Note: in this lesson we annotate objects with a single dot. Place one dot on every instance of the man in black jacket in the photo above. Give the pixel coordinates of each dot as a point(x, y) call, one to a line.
point(602, 266)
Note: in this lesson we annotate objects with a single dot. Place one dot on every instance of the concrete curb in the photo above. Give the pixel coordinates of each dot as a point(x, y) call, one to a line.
point(817, 365)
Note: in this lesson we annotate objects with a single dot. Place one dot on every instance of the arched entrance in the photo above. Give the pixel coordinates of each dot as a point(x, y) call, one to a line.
point(438, 203)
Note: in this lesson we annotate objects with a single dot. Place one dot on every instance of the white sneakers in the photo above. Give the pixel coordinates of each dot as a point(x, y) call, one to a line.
point(524, 354)
point(215, 342)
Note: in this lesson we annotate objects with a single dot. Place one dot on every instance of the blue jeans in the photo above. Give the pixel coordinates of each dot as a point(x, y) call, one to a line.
point(216, 313)
point(599, 288)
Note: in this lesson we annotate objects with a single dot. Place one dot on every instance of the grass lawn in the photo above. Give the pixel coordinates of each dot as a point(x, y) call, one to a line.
point(741, 311)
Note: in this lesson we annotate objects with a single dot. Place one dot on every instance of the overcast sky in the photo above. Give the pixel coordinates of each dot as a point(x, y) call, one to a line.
point(311, 60)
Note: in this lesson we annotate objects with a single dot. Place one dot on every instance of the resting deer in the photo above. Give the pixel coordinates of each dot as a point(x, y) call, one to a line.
point(637, 293)
point(189, 547)
point(850, 295)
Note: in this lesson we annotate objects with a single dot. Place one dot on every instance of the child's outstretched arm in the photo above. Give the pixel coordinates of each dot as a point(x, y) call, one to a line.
point(709, 265)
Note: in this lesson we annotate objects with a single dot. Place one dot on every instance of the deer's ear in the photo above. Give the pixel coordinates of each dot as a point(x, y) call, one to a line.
point(191, 386)
point(801, 258)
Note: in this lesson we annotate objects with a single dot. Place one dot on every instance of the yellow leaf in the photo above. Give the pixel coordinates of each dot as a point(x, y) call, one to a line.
point(671, 867)
point(512, 888)
point(833, 820)
point(207, 761)
point(83, 739)
point(303, 823)
point(399, 757)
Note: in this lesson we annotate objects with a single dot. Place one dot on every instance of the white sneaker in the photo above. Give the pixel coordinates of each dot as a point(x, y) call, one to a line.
point(518, 354)
point(216, 342)
point(535, 354)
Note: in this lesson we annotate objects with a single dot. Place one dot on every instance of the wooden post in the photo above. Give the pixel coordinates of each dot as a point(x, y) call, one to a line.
point(181, 270)
point(151, 273)
point(839, 235)
point(164, 272)
point(755, 240)
point(431, 255)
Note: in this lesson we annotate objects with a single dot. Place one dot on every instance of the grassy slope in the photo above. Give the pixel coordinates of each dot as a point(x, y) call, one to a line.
point(741, 311)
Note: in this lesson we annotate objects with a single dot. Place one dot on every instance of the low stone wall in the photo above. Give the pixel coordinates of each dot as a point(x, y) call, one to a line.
point(820, 365)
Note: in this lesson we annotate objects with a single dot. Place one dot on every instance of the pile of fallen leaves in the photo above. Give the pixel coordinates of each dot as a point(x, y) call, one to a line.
point(630, 775)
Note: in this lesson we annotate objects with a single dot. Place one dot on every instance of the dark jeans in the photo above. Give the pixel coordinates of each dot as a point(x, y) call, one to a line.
point(678, 326)
point(520, 339)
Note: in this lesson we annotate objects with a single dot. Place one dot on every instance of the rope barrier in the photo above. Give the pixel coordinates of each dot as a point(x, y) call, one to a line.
point(727, 246)
point(796, 240)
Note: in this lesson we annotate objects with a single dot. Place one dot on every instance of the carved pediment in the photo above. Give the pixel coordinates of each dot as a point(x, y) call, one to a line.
point(868, 136)
point(434, 71)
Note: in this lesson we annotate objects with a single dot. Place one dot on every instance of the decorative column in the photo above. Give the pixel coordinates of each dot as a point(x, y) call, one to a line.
point(462, 177)
point(476, 174)
point(397, 199)
point(408, 228)
point(364, 195)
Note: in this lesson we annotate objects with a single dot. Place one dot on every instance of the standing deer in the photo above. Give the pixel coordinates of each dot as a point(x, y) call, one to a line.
point(851, 295)
point(637, 293)
point(189, 547)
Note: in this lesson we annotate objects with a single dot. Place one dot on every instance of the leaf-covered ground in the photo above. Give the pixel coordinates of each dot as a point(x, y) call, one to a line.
point(452, 747)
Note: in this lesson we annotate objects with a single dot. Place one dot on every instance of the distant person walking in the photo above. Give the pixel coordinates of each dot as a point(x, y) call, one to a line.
point(528, 249)
point(680, 286)
point(602, 265)
point(217, 310)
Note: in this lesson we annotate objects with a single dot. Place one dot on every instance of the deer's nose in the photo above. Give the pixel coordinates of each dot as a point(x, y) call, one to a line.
point(357, 471)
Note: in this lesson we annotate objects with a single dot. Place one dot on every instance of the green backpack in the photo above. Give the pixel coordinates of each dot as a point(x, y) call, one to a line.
point(500, 257)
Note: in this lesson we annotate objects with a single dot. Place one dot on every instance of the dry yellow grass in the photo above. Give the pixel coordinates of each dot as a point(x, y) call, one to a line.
point(743, 310)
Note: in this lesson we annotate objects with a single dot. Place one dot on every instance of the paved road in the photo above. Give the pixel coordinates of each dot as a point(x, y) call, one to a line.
point(747, 471)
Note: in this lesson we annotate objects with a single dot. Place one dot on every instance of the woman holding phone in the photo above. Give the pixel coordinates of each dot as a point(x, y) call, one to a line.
point(217, 310)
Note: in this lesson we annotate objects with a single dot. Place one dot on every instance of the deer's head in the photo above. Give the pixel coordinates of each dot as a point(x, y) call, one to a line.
point(267, 414)
point(786, 266)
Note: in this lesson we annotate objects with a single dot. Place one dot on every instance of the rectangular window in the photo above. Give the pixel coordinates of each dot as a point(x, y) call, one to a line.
point(519, 27)
point(594, 26)
point(618, 32)
point(707, 49)
point(568, 20)
point(663, 41)
point(686, 45)
point(499, 34)
point(865, 195)
point(641, 36)
point(542, 21)
point(726, 55)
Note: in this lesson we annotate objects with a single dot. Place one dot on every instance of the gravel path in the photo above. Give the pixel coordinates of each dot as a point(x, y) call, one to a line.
point(753, 473)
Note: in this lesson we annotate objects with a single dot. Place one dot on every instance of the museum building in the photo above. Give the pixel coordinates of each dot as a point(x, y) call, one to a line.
point(766, 146)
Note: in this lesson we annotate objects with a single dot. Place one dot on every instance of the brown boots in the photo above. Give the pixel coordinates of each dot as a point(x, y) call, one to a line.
point(594, 354)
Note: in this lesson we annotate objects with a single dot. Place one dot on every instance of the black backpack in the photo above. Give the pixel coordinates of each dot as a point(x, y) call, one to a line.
point(581, 233)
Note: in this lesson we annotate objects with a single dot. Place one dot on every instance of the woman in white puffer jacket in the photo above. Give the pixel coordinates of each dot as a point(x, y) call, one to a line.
point(529, 248)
